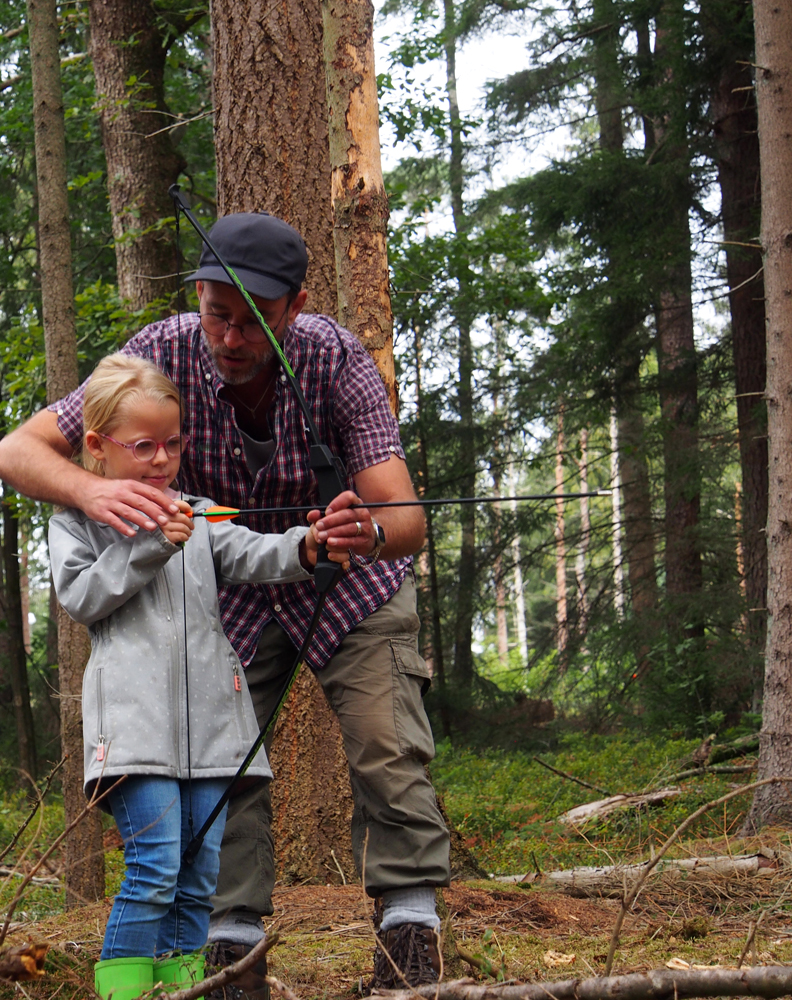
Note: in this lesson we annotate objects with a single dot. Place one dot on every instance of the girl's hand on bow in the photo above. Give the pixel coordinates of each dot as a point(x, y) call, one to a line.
point(179, 527)
point(309, 547)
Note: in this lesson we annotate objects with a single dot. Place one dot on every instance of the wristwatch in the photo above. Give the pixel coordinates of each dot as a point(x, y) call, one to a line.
point(379, 541)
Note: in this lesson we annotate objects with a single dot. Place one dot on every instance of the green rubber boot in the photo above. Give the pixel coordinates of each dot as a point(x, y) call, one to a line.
point(123, 978)
point(180, 971)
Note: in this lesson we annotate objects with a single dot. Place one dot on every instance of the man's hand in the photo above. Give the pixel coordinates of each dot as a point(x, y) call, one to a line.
point(345, 530)
point(35, 460)
point(179, 526)
point(109, 500)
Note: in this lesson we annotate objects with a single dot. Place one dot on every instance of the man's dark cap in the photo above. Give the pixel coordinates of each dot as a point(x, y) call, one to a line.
point(266, 253)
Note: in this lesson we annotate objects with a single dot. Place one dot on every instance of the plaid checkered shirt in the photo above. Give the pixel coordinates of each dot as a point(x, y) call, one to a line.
point(350, 408)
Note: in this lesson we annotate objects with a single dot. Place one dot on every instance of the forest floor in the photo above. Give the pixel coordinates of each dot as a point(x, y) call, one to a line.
point(530, 934)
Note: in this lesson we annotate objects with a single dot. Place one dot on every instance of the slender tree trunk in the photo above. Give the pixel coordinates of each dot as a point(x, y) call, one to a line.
point(17, 659)
point(271, 139)
point(562, 615)
point(585, 536)
point(637, 521)
point(502, 628)
point(773, 25)
point(737, 153)
point(463, 628)
point(128, 52)
point(676, 351)
point(438, 656)
point(618, 568)
point(519, 592)
point(360, 205)
point(83, 848)
point(629, 461)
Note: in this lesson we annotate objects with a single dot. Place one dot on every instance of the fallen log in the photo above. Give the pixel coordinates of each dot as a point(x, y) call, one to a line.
point(760, 981)
point(611, 881)
point(603, 807)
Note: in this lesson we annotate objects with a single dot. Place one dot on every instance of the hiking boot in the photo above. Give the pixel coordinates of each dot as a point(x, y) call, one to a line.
point(415, 953)
point(251, 985)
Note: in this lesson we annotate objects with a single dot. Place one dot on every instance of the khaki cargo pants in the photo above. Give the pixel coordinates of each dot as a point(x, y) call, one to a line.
point(375, 684)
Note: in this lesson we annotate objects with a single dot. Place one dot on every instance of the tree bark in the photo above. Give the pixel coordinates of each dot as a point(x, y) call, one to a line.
point(17, 659)
point(83, 847)
point(271, 144)
point(312, 801)
point(658, 984)
point(737, 156)
point(129, 52)
point(562, 616)
point(463, 625)
point(635, 519)
point(581, 557)
point(773, 25)
point(271, 139)
point(676, 351)
point(360, 204)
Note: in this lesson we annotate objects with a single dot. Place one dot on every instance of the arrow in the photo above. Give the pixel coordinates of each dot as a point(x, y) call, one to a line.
point(227, 513)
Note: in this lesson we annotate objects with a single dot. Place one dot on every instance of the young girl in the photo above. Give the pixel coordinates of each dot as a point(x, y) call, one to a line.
point(165, 704)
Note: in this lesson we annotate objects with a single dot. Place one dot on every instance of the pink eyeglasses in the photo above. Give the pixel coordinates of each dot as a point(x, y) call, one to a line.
point(146, 449)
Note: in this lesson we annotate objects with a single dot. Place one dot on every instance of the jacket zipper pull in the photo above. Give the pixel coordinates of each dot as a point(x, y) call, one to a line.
point(100, 750)
point(237, 680)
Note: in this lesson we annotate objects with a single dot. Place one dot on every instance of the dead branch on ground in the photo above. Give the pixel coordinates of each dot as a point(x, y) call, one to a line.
point(571, 777)
point(603, 807)
point(609, 881)
point(228, 974)
point(659, 984)
point(632, 895)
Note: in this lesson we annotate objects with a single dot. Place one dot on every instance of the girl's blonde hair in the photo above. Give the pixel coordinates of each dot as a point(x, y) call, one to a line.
point(118, 383)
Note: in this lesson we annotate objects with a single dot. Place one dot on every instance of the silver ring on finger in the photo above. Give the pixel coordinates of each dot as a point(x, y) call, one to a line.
point(359, 527)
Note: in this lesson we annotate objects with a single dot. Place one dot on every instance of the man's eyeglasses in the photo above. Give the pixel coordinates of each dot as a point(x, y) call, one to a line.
point(216, 326)
point(146, 449)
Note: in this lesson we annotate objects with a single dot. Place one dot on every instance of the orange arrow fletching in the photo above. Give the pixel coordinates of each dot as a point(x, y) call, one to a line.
point(219, 513)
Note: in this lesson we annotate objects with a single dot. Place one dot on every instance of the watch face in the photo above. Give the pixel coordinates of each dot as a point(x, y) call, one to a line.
point(380, 534)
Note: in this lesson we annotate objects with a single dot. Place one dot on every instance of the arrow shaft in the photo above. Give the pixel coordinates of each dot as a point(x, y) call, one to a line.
point(427, 503)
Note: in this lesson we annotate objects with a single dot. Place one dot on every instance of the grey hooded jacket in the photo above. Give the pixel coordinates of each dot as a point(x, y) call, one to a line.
point(129, 592)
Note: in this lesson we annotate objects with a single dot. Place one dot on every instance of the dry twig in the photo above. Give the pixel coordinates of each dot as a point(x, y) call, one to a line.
point(229, 973)
point(632, 895)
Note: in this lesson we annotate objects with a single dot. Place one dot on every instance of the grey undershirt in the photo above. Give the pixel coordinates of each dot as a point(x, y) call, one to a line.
point(257, 453)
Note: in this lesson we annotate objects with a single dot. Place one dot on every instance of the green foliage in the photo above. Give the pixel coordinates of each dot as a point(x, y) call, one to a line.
point(505, 804)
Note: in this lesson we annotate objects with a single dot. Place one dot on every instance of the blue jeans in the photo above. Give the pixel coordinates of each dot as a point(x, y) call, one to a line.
point(163, 905)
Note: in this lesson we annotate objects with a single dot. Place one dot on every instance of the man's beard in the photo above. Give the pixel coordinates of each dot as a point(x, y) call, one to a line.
point(239, 378)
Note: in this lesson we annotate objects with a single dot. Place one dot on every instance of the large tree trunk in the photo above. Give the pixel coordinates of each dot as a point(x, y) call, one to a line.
point(271, 143)
point(737, 154)
point(83, 848)
point(773, 25)
point(142, 163)
point(17, 659)
point(271, 138)
point(360, 205)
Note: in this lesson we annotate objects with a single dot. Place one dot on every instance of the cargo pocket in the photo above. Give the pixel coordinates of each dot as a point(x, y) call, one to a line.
point(411, 679)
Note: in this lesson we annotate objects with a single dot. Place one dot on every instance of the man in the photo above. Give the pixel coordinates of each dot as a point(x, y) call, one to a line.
point(248, 447)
